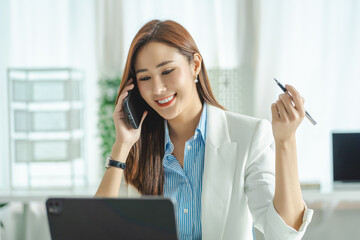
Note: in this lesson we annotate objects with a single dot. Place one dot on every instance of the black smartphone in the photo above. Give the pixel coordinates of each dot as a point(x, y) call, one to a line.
point(134, 106)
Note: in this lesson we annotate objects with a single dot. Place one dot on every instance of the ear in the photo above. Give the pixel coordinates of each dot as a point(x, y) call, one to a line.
point(196, 66)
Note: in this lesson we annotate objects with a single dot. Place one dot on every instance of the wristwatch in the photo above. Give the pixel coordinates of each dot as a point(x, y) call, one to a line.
point(113, 163)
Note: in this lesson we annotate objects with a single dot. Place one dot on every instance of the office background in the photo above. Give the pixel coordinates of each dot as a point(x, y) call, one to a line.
point(313, 45)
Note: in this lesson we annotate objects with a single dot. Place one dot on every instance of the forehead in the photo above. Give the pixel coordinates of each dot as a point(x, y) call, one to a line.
point(154, 53)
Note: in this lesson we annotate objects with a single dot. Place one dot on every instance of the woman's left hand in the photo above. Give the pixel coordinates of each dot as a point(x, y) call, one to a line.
point(286, 116)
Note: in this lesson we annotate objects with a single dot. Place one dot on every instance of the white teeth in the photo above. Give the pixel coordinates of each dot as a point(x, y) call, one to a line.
point(166, 99)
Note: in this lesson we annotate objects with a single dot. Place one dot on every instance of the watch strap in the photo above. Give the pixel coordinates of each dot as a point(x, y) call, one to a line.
point(117, 164)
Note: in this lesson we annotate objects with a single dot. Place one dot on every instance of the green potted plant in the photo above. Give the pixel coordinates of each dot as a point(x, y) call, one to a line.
point(108, 93)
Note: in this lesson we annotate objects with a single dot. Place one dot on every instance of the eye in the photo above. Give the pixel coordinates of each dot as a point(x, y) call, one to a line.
point(144, 78)
point(167, 71)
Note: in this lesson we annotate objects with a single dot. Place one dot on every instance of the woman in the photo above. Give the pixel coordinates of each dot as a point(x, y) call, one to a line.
point(217, 166)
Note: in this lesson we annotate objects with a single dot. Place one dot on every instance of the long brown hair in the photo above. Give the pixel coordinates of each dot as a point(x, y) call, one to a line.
point(144, 168)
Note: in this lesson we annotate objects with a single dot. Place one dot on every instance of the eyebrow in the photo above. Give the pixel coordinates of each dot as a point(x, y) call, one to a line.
point(157, 66)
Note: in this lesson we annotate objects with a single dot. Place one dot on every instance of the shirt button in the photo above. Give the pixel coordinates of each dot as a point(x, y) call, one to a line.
point(189, 147)
point(186, 210)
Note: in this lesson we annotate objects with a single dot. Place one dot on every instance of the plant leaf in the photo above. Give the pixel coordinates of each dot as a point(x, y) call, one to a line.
point(3, 204)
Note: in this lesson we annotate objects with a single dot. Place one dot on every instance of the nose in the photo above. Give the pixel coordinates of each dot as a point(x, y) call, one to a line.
point(158, 86)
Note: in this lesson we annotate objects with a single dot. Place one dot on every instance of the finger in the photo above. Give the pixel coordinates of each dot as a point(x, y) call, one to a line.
point(121, 100)
point(274, 111)
point(297, 99)
point(288, 104)
point(143, 118)
point(281, 110)
point(123, 95)
point(126, 89)
point(129, 81)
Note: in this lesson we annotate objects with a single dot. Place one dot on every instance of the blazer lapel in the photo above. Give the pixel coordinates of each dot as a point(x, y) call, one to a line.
point(219, 169)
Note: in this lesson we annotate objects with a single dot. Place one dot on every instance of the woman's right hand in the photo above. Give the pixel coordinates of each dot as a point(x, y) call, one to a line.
point(125, 134)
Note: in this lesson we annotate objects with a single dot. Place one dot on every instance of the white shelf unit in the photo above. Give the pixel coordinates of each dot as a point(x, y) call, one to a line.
point(46, 128)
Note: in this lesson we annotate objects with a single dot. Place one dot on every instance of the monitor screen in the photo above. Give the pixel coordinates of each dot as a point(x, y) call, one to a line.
point(346, 157)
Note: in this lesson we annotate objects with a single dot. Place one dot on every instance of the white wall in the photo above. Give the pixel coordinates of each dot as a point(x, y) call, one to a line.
point(43, 33)
point(4, 47)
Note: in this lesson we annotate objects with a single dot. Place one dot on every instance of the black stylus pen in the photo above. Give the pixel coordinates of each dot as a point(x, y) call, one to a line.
point(286, 91)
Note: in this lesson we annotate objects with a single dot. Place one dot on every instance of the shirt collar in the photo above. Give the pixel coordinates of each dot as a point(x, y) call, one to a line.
point(167, 137)
point(202, 123)
point(201, 127)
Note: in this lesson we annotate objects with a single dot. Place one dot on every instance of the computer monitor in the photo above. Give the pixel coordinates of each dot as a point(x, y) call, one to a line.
point(346, 157)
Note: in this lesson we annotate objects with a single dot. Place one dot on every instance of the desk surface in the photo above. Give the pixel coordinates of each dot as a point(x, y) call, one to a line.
point(42, 195)
point(338, 195)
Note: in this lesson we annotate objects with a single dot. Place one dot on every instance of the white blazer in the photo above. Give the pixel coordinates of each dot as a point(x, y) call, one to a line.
point(238, 181)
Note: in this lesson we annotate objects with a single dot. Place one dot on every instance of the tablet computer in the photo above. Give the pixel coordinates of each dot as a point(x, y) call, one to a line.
point(111, 218)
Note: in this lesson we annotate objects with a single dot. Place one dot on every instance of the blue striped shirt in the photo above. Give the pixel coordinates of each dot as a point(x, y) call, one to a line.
point(184, 185)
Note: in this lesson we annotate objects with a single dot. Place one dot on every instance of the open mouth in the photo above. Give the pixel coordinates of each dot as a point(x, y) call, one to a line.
point(167, 101)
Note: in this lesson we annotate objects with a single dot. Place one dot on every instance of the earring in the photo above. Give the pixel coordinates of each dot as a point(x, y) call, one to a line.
point(196, 79)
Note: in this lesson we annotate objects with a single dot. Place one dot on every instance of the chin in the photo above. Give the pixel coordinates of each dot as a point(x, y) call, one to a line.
point(167, 116)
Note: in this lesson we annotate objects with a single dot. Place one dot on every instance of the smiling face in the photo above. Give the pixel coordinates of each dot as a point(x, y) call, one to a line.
point(165, 79)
